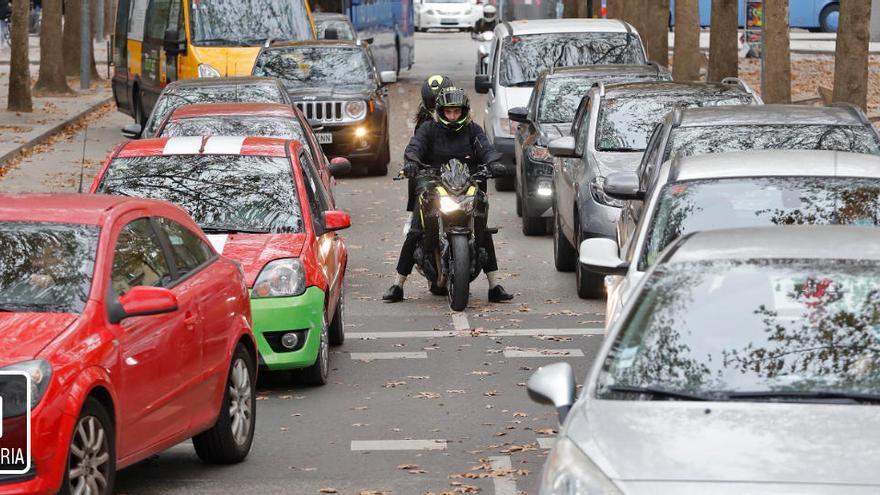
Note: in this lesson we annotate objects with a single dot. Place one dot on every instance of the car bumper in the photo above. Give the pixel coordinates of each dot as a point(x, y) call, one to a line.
point(598, 220)
point(362, 139)
point(446, 21)
point(275, 316)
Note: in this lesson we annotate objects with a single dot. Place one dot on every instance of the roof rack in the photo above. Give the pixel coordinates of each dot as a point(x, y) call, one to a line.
point(735, 81)
point(660, 68)
point(854, 109)
point(677, 116)
point(601, 86)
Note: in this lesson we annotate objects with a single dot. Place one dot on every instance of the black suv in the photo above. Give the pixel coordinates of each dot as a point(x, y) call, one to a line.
point(548, 116)
point(336, 86)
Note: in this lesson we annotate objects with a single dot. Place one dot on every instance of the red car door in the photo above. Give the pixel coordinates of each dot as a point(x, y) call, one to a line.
point(328, 244)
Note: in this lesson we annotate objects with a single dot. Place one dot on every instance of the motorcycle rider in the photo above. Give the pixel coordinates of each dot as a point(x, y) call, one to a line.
point(488, 21)
point(450, 135)
point(432, 85)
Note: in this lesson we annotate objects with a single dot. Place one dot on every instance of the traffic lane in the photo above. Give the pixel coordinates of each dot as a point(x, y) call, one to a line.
point(466, 391)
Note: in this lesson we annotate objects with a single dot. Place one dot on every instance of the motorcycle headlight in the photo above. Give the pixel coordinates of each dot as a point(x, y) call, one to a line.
point(355, 109)
point(40, 372)
point(597, 189)
point(539, 154)
point(569, 472)
point(280, 278)
point(206, 70)
point(448, 205)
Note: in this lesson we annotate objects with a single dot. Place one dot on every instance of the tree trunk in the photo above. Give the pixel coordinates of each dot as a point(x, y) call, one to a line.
point(633, 13)
point(72, 18)
point(570, 10)
point(597, 9)
point(51, 80)
point(614, 9)
point(686, 58)
point(776, 80)
point(19, 67)
point(655, 22)
point(851, 57)
point(723, 56)
point(109, 16)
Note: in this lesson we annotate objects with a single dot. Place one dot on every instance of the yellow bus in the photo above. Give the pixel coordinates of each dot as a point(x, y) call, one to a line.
point(159, 41)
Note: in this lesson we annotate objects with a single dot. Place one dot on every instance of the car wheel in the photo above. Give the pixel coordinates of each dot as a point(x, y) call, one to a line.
point(829, 18)
point(504, 183)
point(337, 326)
point(91, 458)
point(532, 225)
point(590, 285)
point(519, 206)
point(317, 373)
point(229, 440)
point(564, 255)
point(380, 166)
point(139, 116)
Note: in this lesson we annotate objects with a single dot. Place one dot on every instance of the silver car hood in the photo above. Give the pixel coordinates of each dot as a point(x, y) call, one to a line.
point(655, 442)
point(610, 162)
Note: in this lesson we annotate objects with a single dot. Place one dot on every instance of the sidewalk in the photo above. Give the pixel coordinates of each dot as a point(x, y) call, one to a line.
point(803, 42)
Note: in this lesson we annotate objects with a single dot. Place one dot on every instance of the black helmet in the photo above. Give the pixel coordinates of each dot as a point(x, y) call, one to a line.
point(453, 98)
point(431, 87)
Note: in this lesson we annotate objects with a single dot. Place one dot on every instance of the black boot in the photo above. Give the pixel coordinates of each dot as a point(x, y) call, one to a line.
point(498, 294)
point(393, 294)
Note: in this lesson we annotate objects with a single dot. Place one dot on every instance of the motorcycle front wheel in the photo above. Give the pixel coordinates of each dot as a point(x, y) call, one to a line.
point(460, 266)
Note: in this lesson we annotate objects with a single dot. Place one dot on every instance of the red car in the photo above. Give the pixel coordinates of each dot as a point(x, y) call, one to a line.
point(135, 332)
point(252, 119)
point(261, 202)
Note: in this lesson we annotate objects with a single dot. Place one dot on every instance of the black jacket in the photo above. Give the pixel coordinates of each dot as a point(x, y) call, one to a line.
point(435, 145)
point(423, 115)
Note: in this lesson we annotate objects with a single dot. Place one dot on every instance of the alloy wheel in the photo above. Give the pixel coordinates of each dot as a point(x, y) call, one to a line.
point(240, 407)
point(89, 465)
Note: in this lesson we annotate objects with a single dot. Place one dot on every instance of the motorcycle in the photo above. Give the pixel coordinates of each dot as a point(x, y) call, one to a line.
point(449, 252)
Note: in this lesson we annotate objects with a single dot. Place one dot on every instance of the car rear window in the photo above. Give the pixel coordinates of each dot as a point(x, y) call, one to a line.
point(276, 127)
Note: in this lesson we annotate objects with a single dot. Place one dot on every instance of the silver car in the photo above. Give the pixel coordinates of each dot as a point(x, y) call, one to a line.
point(727, 190)
point(748, 363)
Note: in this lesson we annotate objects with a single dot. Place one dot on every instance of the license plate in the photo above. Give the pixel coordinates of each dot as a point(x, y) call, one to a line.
point(324, 137)
point(449, 21)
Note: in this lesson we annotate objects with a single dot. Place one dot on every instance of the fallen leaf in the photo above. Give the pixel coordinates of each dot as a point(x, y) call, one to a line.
point(426, 395)
point(520, 415)
point(407, 467)
point(327, 490)
point(490, 393)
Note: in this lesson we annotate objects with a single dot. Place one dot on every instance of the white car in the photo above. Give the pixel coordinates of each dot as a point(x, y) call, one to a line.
point(521, 50)
point(456, 14)
point(732, 190)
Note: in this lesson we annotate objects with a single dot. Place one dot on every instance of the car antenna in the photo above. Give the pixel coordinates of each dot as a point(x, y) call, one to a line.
point(82, 163)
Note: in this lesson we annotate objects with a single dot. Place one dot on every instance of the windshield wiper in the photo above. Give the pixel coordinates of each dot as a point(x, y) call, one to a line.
point(807, 395)
point(212, 41)
point(523, 84)
point(223, 229)
point(657, 392)
point(620, 150)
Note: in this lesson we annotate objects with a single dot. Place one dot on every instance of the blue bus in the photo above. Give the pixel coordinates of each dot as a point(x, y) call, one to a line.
point(821, 15)
point(388, 22)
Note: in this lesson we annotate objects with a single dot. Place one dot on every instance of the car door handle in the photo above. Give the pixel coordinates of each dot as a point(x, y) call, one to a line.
point(189, 321)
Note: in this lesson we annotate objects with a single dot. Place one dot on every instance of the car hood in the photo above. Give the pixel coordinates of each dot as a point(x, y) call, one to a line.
point(228, 61)
point(253, 251)
point(730, 442)
point(610, 162)
point(24, 335)
point(447, 8)
point(511, 97)
point(549, 132)
point(339, 92)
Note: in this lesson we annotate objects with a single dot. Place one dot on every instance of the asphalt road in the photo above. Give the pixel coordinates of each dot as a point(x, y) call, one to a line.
point(408, 410)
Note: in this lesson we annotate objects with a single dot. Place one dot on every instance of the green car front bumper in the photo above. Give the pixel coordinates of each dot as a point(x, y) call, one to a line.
point(274, 316)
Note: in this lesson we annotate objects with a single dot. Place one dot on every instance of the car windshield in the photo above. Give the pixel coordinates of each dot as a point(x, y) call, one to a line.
point(248, 22)
point(562, 95)
point(698, 205)
point(214, 93)
point(524, 57)
point(46, 267)
point(343, 29)
point(626, 122)
point(316, 67)
point(720, 328)
point(690, 141)
point(277, 127)
point(221, 192)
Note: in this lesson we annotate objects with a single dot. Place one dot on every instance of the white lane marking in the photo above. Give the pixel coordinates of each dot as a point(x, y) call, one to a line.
point(182, 145)
point(505, 485)
point(357, 445)
point(372, 356)
point(542, 353)
point(513, 332)
point(460, 321)
point(224, 145)
point(218, 241)
point(546, 442)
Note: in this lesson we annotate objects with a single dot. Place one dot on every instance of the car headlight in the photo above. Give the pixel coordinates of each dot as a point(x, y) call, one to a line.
point(206, 70)
point(40, 372)
point(597, 189)
point(448, 205)
point(280, 278)
point(545, 188)
point(569, 471)
point(539, 154)
point(355, 109)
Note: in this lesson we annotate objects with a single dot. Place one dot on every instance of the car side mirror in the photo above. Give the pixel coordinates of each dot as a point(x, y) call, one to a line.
point(387, 77)
point(366, 41)
point(144, 301)
point(482, 83)
point(519, 114)
point(336, 220)
point(339, 166)
point(172, 43)
point(602, 255)
point(132, 131)
point(563, 147)
point(623, 186)
point(553, 384)
point(483, 51)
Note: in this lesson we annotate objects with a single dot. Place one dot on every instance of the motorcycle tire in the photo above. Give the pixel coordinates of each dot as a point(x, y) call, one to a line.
point(460, 278)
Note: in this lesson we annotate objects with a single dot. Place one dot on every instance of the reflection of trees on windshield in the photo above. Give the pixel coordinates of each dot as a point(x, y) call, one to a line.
point(524, 57)
point(248, 22)
point(691, 141)
point(561, 96)
point(235, 126)
point(233, 93)
point(46, 267)
point(315, 67)
point(250, 193)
